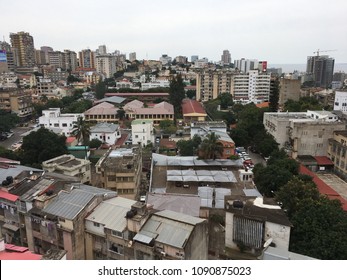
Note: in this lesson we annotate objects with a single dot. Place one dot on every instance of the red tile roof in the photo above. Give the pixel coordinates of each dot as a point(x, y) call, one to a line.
point(324, 188)
point(190, 106)
point(8, 196)
point(322, 160)
point(263, 105)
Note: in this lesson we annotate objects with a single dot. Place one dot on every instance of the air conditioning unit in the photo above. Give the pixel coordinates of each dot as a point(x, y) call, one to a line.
point(163, 253)
point(59, 225)
point(22, 225)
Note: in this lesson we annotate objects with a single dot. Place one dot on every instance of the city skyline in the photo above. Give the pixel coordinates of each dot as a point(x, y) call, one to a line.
point(252, 29)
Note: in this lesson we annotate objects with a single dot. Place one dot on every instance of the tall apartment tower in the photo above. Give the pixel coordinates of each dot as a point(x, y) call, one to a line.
point(102, 50)
point(132, 56)
point(106, 65)
point(24, 43)
point(226, 58)
point(70, 60)
point(87, 59)
point(322, 69)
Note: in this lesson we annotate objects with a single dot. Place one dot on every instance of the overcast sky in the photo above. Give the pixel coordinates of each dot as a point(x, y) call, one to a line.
point(274, 30)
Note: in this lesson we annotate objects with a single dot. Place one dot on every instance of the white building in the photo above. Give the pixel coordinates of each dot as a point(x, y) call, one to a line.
point(142, 132)
point(340, 103)
point(251, 87)
point(52, 118)
point(165, 59)
point(155, 84)
point(106, 132)
point(106, 65)
point(245, 65)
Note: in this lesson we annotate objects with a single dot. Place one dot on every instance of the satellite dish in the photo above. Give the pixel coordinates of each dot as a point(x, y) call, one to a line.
point(267, 243)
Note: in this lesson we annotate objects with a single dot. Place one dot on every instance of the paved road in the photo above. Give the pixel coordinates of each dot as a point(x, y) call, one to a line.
point(17, 132)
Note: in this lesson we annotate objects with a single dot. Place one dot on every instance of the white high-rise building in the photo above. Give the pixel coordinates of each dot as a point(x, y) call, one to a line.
point(102, 50)
point(245, 65)
point(251, 87)
point(132, 56)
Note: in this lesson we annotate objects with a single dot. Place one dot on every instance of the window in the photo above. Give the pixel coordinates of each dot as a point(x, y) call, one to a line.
point(96, 224)
point(116, 248)
point(56, 125)
point(117, 233)
point(64, 125)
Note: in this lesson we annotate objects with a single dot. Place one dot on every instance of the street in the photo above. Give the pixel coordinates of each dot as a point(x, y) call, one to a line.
point(17, 132)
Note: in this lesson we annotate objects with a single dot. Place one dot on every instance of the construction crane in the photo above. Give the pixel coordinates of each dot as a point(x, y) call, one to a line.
point(318, 51)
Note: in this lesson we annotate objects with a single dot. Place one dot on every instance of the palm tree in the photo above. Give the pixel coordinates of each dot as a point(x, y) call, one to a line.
point(210, 147)
point(81, 131)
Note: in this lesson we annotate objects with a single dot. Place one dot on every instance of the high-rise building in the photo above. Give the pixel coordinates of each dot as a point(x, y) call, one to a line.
point(11, 55)
point(70, 58)
point(24, 43)
point(87, 59)
point(106, 65)
point(245, 65)
point(194, 58)
point(102, 50)
point(322, 69)
point(132, 56)
point(226, 58)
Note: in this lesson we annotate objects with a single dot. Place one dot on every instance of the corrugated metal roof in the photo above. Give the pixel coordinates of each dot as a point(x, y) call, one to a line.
point(171, 228)
point(111, 213)
point(69, 204)
point(14, 171)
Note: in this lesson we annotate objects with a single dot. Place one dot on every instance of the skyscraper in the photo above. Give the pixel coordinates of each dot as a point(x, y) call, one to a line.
point(24, 43)
point(226, 58)
point(87, 59)
point(322, 69)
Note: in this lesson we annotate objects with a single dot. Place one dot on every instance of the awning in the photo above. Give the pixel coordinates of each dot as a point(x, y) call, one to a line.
point(10, 227)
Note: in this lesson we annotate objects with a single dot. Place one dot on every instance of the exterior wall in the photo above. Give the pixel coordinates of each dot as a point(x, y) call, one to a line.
point(278, 127)
point(289, 89)
point(229, 228)
point(312, 138)
point(337, 153)
point(340, 103)
point(280, 235)
point(197, 245)
point(142, 133)
point(109, 138)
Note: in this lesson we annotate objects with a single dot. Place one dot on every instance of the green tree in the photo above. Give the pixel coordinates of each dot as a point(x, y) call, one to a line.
point(100, 90)
point(226, 100)
point(270, 178)
point(185, 147)
point(319, 229)
point(177, 94)
point(41, 145)
point(191, 94)
point(81, 131)
point(95, 143)
point(7, 121)
point(120, 114)
point(210, 147)
point(274, 96)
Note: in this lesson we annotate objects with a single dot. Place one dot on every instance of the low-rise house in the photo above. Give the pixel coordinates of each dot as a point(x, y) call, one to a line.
point(69, 165)
point(172, 235)
point(53, 118)
point(105, 132)
point(12, 252)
